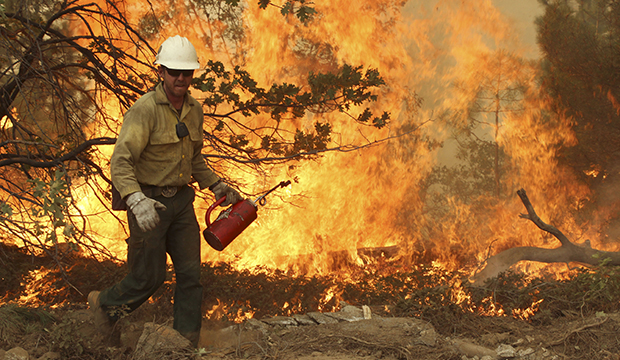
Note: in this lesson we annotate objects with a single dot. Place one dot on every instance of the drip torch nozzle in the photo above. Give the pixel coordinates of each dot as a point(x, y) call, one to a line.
point(261, 199)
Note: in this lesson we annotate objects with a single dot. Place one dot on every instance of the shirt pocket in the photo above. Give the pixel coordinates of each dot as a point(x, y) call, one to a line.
point(163, 149)
point(195, 132)
point(164, 135)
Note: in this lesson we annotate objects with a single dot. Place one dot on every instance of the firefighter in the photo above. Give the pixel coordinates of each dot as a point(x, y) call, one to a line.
point(156, 156)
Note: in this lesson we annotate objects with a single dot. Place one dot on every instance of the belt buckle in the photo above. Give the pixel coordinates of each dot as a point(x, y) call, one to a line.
point(169, 191)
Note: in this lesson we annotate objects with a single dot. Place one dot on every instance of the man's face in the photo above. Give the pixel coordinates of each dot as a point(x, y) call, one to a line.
point(176, 82)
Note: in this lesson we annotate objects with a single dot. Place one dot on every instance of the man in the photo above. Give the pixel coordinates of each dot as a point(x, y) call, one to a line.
point(157, 154)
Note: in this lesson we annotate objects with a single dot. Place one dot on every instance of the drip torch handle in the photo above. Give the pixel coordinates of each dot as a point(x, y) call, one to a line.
point(210, 209)
point(261, 199)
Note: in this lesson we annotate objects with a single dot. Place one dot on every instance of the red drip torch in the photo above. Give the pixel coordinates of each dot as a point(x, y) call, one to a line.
point(232, 221)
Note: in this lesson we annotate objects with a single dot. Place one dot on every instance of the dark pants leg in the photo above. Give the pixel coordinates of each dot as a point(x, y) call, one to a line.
point(146, 260)
point(177, 234)
point(183, 245)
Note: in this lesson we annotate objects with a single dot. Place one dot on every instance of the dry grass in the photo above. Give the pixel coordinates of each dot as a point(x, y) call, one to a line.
point(16, 320)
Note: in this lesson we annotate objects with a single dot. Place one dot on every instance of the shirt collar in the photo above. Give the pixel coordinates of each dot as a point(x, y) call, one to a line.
point(161, 98)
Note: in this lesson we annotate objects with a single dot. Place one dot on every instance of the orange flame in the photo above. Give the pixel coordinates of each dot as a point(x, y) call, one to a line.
point(373, 197)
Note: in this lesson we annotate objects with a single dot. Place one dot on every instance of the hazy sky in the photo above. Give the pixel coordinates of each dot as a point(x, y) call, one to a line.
point(523, 13)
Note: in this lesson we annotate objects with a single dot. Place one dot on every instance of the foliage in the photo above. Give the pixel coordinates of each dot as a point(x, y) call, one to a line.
point(303, 11)
point(263, 292)
point(67, 338)
point(53, 198)
point(53, 82)
point(472, 176)
point(586, 292)
point(237, 90)
point(580, 42)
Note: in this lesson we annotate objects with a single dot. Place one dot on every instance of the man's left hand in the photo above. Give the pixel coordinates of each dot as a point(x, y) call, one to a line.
point(232, 196)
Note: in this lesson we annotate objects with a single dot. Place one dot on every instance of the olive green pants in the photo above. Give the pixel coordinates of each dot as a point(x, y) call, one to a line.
point(178, 235)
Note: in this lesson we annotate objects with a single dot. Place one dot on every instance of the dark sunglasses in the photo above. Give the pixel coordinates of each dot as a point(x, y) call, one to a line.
point(176, 73)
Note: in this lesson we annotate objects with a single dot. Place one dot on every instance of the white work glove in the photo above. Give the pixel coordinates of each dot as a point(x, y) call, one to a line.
point(145, 210)
point(232, 196)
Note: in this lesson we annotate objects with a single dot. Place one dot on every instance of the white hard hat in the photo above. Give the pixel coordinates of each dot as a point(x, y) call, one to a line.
point(177, 53)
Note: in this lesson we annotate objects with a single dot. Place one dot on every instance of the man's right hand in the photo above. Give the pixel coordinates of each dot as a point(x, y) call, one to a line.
point(145, 210)
point(232, 196)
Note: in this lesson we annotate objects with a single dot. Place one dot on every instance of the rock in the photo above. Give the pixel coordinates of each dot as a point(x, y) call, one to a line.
point(470, 350)
point(529, 338)
point(427, 337)
point(506, 351)
point(17, 353)
point(348, 313)
point(320, 318)
point(525, 352)
point(228, 337)
point(253, 324)
point(280, 320)
point(351, 309)
point(518, 342)
point(157, 340)
point(50, 356)
point(399, 332)
point(366, 311)
point(494, 339)
point(130, 335)
point(303, 319)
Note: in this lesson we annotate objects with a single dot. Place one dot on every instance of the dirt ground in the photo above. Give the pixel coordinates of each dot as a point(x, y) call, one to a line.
point(569, 337)
point(407, 338)
point(568, 327)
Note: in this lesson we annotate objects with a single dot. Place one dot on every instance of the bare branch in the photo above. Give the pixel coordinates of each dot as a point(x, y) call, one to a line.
point(566, 253)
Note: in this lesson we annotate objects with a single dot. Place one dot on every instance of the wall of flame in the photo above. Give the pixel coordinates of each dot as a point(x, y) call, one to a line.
point(370, 198)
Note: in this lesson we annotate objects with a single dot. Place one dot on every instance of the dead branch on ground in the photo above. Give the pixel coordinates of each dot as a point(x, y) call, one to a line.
point(566, 253)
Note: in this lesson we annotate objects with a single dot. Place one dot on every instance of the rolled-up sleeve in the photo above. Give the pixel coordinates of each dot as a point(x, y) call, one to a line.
point(132, 139)
point(200, 171)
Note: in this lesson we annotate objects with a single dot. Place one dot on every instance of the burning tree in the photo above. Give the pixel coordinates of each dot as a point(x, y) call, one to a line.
point(69, 70)
point(491, 92)
point(579, 42)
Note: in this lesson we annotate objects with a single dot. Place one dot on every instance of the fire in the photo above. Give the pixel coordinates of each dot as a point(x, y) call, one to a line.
point(220, 311)
point(331, 293)
point(368, 198)
point(374, 197)
point(33, 290)
point(527, 313)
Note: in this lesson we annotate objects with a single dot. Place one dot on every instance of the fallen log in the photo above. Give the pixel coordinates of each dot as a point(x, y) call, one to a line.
point(566, 253)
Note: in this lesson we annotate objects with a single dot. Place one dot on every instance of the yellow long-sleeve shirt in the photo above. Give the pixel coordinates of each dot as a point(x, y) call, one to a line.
point(148, 150)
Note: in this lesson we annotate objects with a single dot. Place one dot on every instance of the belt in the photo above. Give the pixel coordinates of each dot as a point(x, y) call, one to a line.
point(165, 191)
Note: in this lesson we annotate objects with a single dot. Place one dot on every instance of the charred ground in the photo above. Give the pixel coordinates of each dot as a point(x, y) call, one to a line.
point(45, 310)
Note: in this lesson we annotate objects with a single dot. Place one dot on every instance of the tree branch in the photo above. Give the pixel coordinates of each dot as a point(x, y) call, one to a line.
point(532, 216)
point(566, 253)
point(72, 155)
